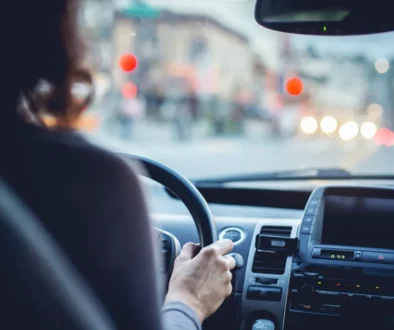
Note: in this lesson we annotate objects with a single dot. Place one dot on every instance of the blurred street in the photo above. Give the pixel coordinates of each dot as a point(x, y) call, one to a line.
point(213, 93)
point(208, 157)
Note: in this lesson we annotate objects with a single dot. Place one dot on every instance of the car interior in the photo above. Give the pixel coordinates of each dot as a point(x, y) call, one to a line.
point(318, 255)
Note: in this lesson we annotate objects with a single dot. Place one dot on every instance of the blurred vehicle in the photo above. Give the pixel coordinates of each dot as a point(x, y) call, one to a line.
point(254, 111)
point(337, 125)
point(286, 114)
point(339, 106)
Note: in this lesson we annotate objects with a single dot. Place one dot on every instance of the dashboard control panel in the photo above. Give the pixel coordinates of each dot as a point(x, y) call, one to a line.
point(354, 255)
point(344, 268)
point(346, 300)
point(332, 269)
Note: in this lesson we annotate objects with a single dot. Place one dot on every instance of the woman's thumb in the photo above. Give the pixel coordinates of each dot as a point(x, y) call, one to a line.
point(189, 250)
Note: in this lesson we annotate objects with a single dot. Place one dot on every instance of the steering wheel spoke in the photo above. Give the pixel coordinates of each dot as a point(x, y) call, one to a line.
point(170, 248)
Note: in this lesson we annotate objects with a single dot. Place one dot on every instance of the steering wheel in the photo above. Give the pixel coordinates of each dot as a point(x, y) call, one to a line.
point(189, 195)
point(193, 200)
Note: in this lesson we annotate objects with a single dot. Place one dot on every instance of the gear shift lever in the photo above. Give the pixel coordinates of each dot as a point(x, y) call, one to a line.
point(263, 325)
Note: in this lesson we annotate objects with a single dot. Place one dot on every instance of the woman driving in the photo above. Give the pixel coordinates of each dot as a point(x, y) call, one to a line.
point(89, 199)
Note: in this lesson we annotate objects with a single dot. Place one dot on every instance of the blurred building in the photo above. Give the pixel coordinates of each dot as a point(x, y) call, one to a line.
point(338, 84)
point(182, 49)
point(97, 19)
point(186, 51)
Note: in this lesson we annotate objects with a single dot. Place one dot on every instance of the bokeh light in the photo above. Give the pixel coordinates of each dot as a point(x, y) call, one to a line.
point(382, 65)
point(294, 86)
point(328, 124)
point(308, 125)
point(129, 90)
point(368, 130)
point(348, 131)
point(128, 62)
point(384, 136)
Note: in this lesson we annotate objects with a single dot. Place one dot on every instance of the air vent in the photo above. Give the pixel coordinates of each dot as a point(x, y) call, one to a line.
point(166, 249)
point(268, 262)
point(276, 231)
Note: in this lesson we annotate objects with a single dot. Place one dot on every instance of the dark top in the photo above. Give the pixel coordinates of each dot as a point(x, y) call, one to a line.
point(93, 204)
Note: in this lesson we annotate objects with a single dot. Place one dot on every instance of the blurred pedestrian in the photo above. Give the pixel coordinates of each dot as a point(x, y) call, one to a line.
point(131, 109)
point(183, 119)
point(238, 111)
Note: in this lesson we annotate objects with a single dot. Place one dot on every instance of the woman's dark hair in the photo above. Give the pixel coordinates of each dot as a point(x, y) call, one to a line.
point(42, 54)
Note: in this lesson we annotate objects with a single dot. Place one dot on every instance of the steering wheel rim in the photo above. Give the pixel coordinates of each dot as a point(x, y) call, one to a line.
point(186, 192)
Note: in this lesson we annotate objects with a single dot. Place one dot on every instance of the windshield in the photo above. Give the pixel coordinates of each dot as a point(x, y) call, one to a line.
point(198, 85)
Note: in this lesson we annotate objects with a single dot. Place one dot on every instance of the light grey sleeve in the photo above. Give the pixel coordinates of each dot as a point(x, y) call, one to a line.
point(178, 316)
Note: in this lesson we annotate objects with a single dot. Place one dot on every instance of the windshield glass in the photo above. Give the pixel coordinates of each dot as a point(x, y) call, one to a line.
point(198, 85)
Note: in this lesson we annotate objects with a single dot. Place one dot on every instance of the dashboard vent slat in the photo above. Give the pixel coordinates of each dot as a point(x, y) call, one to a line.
point(266, 262)
point(276, 231)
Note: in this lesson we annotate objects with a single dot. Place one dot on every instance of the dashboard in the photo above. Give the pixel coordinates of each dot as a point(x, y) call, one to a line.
point(329, 262)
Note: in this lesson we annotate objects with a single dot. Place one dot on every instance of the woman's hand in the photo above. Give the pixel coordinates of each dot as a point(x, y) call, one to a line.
point(202, 281)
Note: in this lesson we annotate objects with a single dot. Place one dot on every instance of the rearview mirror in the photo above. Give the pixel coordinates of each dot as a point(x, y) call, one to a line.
point(325, 17)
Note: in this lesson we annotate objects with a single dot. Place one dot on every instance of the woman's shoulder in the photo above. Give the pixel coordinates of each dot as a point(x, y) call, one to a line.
point(79, 157)
point(93, 158)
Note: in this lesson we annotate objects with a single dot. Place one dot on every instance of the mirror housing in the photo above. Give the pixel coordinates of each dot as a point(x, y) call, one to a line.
point(325, 17)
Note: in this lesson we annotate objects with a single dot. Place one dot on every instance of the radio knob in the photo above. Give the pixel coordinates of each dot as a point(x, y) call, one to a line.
point(307, 288)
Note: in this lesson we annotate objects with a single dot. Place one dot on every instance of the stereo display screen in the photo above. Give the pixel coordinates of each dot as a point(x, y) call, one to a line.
point(358, 221)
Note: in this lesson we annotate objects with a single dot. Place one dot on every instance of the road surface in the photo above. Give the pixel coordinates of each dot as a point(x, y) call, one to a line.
point(209, 157)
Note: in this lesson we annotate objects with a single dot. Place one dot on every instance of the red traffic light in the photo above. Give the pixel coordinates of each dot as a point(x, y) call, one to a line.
point(128, 62)
point(294, 86)
point(129, 90)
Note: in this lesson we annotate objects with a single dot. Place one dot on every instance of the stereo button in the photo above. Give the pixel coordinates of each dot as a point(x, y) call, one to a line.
point(313, 202)
point(330, 309)
point(379, 258)
point(307, 288)
point(308, 308)
point(310, 211)
point(306, 229)
point(358, 255)
point(311, 274)
point(307, 220)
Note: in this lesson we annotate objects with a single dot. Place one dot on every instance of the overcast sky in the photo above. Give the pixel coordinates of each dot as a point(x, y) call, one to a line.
point(372, 46)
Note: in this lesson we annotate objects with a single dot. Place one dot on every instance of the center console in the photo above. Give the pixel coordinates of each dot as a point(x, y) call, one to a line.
point(342, 275)
point(334, 270)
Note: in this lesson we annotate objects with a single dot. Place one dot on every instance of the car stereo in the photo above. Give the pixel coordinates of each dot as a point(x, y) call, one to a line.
point(344, 269)
point(341, 223)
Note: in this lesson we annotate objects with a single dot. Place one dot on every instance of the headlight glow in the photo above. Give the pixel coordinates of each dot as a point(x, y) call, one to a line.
point(348, 130)
point(308, 125)
point(328, 124)
point(368, 130)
